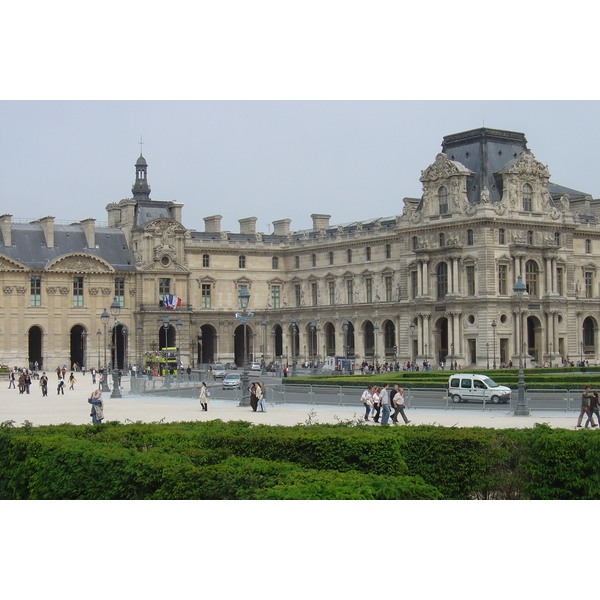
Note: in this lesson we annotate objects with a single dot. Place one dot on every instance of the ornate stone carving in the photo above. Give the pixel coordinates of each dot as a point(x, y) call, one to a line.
point(79, 264)
point(51, 290)
point(93, 291)
point(21, 290)
point(527, 164)
point(443, 168)
point(7, 289)
point(63, 290)
point(105, 291)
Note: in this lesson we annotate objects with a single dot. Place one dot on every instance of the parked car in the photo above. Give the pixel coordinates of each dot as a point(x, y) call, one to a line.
point(232, 381)
point(218, 370)
point(230, 367)
point(254, 366)
point(466, 387)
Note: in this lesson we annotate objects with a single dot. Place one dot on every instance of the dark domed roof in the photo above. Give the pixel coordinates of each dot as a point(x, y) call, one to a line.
point(141, 162)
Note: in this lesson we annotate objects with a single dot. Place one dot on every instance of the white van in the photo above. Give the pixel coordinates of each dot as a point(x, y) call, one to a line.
point(466, 387)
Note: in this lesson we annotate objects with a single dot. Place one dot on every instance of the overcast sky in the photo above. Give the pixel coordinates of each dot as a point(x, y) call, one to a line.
point(354, 160)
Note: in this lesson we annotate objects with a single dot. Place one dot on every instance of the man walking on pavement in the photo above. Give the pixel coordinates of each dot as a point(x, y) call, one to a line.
point(385, 404)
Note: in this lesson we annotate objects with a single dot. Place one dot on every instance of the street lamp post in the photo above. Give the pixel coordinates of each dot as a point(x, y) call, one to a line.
point(104, 317)
point(124, 332)
point(140, 348)
point(313, 345)
point(115, 309)
point(294, 332)
point(178, 327)
point(263, 325)
point(165, 326)
point(244, 299)
point(521, 409)
point(83, 360)
point(487, 355)
point(494, 325)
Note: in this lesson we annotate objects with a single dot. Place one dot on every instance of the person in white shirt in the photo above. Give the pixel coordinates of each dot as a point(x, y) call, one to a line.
point(399, 405)
point(385, 405)
point(367, 400)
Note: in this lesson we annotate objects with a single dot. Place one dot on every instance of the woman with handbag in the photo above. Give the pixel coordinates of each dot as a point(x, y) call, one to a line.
point(204, 396)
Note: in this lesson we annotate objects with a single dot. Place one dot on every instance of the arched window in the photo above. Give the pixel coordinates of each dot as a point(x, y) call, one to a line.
point(443, 200)
point(527, 195)
point(275, 262)
point(442, 280)
point(469, 237)
point(242, 262)
point(531, 277)
point(205, 260)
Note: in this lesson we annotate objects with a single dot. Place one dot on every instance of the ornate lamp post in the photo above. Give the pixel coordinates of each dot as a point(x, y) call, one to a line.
point(165, 327)
point(124, 332)
point(242, 317)
point(273, 340)
point(115, 309)
point(521, 410)
point(263, 325)
point(294, 333)
point(313, 345)
point(178, 327)
point(104, 317)
point(494, 325)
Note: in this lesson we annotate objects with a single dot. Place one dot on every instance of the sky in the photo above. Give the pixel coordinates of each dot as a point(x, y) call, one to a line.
point(269, 159)
point(279, 110)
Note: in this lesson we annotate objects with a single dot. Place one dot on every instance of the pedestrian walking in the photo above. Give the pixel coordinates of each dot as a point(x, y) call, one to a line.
point(72, 381)
point(398, 402)
point(260, 395)
point(11, 380)
point(204, 396)
point(44, 384)
point(593, 410)
point(93, 372)
point(385, 404)
point(376, 403)
point(97, 412)
point(585, 404)
point(253, 398)
point(367, 400)
point(60, 389)
point(27, 381)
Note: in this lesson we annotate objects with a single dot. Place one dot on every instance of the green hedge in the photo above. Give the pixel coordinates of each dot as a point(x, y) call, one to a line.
point(237, 460)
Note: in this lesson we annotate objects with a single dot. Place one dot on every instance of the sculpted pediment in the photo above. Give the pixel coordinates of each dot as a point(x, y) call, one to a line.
point(8, 264)
point(80, 263)
point(526, 164)
point(443, 168)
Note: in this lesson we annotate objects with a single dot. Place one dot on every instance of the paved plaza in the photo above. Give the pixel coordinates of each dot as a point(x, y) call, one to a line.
point(73, 408)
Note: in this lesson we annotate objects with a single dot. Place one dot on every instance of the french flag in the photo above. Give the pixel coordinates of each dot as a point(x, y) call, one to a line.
point(170, 301)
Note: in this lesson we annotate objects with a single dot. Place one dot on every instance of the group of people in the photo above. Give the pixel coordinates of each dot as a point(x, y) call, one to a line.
point(379, 402)
point(590, 406)
point(257, 396)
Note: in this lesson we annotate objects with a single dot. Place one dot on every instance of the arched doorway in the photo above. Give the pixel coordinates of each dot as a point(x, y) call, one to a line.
point(350, 339)
point(389, 336)
point(117, 338)
point(35, 354)
point(534, 338)
point(441, 350)
point(369, 335)
point(77, 346)
point(207, 345)
point(238, 344)
point(329, 339)
point(589, 345)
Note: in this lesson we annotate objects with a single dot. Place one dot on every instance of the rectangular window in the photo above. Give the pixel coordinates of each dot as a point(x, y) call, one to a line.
point(331, 258)
point(314, 292)
point(369, 288)
point(77, 291)
point(470, 280)
point(388, 289)
point(35, 290)
point(206, 295)
point(588, 284)
point(414, 284)
point(559, 281)
point(275, 296)
point(205, 260)
point(331, 288)
point(501, 236)
point(164, 286)
point(502, 272)
point(120, 290)
point(350, 290)
point(297, 294)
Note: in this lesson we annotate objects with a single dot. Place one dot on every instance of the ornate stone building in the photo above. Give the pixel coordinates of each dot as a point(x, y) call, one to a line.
point(434, 282)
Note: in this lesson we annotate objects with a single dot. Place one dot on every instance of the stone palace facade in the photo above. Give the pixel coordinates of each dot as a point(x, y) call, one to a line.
point(433, 283)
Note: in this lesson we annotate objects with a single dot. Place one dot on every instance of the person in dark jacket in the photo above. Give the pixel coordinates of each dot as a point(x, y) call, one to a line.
point(97, 412)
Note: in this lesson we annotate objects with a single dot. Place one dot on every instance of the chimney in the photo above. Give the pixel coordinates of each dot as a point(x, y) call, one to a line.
point(88, 226)
point(47, 224)
point(281, 227)
point(176, 212)
point(212, 224)
point(5, 226)
point(248, 225)
point(320, 222)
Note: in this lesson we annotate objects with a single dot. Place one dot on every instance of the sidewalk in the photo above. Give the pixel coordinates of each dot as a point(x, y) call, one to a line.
point(73, 408)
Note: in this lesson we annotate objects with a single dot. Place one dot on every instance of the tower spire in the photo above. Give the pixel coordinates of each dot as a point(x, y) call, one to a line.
point(141, 187)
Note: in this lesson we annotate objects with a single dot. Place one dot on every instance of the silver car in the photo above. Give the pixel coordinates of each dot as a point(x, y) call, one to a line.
point(232, 381)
